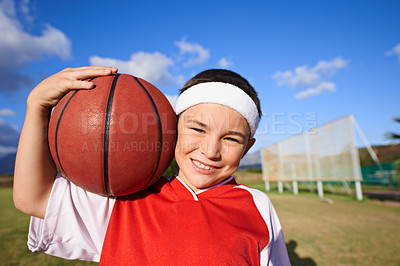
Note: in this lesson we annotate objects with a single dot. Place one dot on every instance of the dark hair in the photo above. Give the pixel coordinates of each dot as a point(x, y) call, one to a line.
point(225, 76)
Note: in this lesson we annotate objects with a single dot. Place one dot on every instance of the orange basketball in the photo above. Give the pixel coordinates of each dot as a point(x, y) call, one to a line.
point(115, 139)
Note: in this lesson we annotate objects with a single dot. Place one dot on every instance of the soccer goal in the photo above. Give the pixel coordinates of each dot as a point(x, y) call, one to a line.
point(327, 153)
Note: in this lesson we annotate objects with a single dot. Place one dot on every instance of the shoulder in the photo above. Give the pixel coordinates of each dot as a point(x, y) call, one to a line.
point(259, 197)
point(261, 202)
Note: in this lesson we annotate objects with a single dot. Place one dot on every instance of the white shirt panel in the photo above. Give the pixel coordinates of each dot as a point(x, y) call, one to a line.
point(75, 223)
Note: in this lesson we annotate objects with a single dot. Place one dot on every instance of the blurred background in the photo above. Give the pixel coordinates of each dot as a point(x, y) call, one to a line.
point(311, 62)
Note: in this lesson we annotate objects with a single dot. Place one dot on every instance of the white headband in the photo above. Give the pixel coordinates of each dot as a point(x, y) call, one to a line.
point(221, 93)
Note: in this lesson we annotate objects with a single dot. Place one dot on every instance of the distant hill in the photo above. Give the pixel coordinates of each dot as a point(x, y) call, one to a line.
point(7, 163)
point(251, 160)
point(385, 154)
point(9, 137)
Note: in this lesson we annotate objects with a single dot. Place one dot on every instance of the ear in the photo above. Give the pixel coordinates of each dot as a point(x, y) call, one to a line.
point(250, 143)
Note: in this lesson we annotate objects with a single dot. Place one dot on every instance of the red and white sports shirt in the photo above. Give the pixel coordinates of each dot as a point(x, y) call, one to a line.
point(166, 224)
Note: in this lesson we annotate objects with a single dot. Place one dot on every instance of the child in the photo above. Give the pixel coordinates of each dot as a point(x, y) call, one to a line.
point(200, 217)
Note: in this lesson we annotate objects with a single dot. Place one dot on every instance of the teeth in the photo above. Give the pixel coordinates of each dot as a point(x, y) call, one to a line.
point(199, 164)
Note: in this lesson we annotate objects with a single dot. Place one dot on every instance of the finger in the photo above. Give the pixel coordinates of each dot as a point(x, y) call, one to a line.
point(89, 68)
point(71, 69)
point(88, 72)
point(92, 72)
point(70, 84)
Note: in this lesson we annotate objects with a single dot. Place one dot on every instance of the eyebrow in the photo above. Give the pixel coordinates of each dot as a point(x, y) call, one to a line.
point(201, 124)
point(197, 122)
point(237, 133)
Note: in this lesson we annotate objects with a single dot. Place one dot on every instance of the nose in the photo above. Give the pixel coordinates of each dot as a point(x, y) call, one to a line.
point(211, 148)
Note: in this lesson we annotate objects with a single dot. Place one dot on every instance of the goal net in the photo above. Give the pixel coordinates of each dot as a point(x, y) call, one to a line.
point(325, 153)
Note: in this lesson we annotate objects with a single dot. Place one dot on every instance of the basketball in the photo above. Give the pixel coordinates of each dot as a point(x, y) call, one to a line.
point(115, 139)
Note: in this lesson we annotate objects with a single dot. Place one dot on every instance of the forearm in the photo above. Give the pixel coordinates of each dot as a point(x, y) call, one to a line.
point(35, 170)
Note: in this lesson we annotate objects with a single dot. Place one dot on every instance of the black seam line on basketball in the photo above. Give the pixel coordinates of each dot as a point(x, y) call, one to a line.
point(107, 134)
point(159, 127)
point(56, 134)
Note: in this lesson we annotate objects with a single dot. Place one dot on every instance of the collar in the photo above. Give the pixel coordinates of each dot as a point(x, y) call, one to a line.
point(184, 192)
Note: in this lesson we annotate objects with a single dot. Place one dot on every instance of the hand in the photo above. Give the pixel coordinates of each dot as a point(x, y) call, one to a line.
point(48, 92)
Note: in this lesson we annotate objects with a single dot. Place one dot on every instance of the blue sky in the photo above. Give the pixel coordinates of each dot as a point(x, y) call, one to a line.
point(310, 61)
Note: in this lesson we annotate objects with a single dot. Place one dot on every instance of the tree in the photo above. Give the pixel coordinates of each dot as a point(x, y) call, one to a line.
point(395, 137)
point(172, 169)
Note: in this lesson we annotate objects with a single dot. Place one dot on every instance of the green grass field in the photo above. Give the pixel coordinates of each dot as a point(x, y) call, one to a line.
point(13, 237)
point(346, 232)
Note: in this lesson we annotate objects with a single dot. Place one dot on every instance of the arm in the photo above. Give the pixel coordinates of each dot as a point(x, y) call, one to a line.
point(35, 170)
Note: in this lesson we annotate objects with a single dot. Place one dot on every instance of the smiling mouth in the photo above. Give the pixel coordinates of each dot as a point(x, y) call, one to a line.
point(202, 166)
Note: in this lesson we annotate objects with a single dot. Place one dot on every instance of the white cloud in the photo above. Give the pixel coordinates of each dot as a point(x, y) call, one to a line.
point(394, 51)
point(172, 99)
point(156, 67)
point(330, 67)
point(152, 67)
point(9, 136)
point(180, 80)
point(299, 77)
point(21, 47)
point(323, 86)
point(197, 53)
point(7, 7)
point(25, 9)
point(6, 150)
point(225, 62)
point(7, 112)
point(18, 47)
point(315, 77)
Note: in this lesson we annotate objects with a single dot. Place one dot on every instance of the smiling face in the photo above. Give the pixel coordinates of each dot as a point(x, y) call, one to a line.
point(212, 139)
